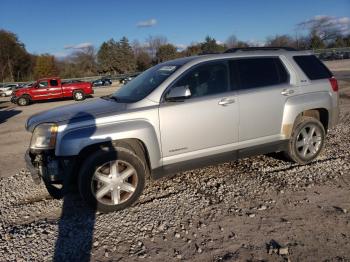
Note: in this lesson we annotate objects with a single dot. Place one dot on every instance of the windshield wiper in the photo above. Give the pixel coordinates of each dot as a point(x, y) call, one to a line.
point(121, 99)
point(114, 98)
point(110, 97)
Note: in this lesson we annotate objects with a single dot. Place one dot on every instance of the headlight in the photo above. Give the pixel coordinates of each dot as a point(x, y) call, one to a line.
point(44, 136)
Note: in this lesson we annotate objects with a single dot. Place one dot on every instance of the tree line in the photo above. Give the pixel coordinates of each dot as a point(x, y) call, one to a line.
point(122, 56)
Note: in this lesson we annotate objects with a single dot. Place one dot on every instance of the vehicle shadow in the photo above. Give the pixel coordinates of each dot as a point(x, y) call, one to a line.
point(6, 114)
point(75, 230)
point(77, 222)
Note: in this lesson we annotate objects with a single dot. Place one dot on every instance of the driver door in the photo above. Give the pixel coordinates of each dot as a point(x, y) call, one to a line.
point(41, 90)
point(204, 124)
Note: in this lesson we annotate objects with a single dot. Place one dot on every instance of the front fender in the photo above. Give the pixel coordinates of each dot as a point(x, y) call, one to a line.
point(300, 103)
point(74, 140)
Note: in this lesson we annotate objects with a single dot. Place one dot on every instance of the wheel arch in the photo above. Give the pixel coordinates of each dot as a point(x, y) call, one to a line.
point(26, 95)
point(139, 135)
point(78, 90)
point(133, 144)
point(320, 114)
point(317, 105)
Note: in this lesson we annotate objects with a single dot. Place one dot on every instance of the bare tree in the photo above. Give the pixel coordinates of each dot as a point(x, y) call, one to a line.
point(85, 59)
point(137, 47)
point(154, 42)
point(280, 40)
point(15, 62)
point(231, 41)
point(326, 27)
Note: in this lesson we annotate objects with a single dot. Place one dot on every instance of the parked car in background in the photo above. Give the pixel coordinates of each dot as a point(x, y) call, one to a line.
point(6, 87)
point(125, 80)
point(184, 114)
point(333, 55)
point(7, 91)
point(51, 88)
point(105, 81)
point(71, 81)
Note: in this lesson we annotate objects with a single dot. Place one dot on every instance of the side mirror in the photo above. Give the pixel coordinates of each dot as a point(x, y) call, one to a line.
point(178, 93)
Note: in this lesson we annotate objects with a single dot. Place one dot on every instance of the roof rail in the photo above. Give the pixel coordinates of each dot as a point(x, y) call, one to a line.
point(259, 48)
point(209, 53)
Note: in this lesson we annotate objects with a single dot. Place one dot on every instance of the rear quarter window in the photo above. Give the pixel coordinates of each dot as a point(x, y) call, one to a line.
point(53, 82)
point(312, 67)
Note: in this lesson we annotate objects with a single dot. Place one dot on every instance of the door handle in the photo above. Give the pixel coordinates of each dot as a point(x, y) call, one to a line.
point(226, 101)
point(287, 92)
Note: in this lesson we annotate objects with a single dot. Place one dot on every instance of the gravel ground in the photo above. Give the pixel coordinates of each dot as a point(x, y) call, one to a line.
point(255, 209)
point(13, 137)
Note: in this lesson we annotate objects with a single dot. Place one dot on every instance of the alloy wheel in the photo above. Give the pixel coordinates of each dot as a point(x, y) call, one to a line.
point(22, 101)
point(114, 182)
point(309, 141)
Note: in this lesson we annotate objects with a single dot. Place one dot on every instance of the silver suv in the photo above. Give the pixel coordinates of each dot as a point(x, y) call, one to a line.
point(184, 114)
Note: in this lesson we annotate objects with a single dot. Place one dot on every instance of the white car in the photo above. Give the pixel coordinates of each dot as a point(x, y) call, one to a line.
point(7, 91)
point(4, 88)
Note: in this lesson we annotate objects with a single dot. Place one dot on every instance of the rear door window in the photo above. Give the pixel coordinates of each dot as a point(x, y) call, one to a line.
point(257, 72)
point(312, 67)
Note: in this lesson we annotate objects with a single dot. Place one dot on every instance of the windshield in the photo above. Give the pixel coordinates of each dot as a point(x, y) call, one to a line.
point(145, 83)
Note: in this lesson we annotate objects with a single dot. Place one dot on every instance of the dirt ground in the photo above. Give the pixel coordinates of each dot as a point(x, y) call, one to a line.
point(254, 209)
point(338, 65)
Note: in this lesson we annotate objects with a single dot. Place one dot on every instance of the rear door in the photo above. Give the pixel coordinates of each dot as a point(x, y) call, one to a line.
point(263, 87)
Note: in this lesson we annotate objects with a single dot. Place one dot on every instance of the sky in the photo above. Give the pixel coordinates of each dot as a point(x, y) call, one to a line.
point(61, 26)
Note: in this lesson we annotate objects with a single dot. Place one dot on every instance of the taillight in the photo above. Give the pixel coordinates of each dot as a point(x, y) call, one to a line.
point(334, 84)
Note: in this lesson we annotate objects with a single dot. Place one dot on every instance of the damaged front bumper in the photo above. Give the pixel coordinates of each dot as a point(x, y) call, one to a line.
point(45, 165)
point(14, 99)
point(34, 172)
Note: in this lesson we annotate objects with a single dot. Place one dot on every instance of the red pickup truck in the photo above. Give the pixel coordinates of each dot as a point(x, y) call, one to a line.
point(51, 88)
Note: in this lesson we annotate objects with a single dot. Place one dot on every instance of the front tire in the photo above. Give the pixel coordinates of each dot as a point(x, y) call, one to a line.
point(306, 141)
point(56, 191)
point(112, 180)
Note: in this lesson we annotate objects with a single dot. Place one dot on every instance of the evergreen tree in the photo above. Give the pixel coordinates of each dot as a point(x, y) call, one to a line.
point(166, 52)
point(211, 46)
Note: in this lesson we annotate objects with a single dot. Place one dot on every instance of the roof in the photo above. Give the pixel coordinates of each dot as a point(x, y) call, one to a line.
point(238, 53)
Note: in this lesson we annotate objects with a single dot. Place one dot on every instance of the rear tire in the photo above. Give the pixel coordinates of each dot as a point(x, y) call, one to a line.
point(78, 95)
point(112, 180)
point(306, 141)
point(23, 101)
